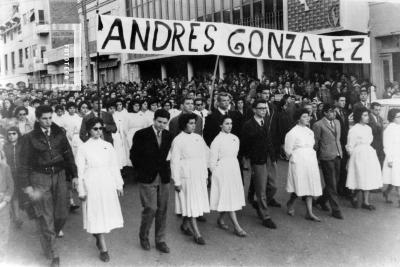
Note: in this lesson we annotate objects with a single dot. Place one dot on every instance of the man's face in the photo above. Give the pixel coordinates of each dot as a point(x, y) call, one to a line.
point(261, 110)
point(45, 120)
point(330, 114)
point(265, 94)
point(363, 96)
point(376, 110)
point(199, 105)
point(341, 102)
point(309, 108)
point(188, 105)
point(96, 105)
point(160, 123)
point(223, 102)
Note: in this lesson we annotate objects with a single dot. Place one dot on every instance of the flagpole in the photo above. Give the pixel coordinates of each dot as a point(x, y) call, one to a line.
point(97, 62)
point(212, 84)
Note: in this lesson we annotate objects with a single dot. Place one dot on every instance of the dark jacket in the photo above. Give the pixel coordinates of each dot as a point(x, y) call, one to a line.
point(212, 128)
point(344, 125)
point(13, 160)
point(37, 154)
point(174, 126)
point(109, 126)
point(148, 158)
point(256, 142)
point(377, 132)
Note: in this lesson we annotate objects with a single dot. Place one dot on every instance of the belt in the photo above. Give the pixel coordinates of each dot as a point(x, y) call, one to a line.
point(48, 170)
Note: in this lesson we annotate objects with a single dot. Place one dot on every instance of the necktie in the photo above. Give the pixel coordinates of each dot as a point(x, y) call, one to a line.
point(46, 133)
point(262, 123)
point(159, 138)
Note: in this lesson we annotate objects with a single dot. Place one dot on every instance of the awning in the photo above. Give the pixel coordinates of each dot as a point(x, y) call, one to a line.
point(108, 64)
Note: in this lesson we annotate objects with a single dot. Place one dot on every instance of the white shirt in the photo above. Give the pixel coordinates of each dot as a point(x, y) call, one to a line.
point(259, 120)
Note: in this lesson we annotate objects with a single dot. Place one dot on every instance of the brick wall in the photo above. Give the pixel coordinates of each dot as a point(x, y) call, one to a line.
point(64, 11)
point(319, 15)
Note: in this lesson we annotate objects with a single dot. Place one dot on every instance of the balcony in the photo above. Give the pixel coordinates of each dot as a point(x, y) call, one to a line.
point(272, 20)
point(42, 28)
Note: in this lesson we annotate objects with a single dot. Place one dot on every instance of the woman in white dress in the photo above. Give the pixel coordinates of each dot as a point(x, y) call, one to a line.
point(72, 124)
point(189, 157)
point(303, 178)
point(391, 146)
point(119, 138)
point(364, 170)
point(227, 193)
point(99, 185)
point(134, 121)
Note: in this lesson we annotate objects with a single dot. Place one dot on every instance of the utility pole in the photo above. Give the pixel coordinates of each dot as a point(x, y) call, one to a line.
point(87, 52)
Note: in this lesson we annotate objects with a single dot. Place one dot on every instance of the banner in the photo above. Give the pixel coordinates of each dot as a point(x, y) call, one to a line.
point(173, 37)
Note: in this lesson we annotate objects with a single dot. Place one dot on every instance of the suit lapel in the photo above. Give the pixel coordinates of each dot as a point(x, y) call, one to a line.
point(329, 126)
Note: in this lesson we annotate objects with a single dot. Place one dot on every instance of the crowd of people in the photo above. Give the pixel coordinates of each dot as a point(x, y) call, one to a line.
point(202, 138)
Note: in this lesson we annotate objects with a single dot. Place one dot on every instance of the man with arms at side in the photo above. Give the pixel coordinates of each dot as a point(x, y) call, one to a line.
point(329, 151)
point(46, 157)
point(149, 152)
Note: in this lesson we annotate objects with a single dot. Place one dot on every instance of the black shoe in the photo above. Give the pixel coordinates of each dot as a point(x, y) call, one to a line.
point(162, 247)
point(145, 244)
point(72, 208)
point(186, 231)
point(386, 197)
point(55, 262)
point(273, 203)
point(269, 224)
point(199, 240)
point(201, 219)
point(368, 206)
point(322, 205)
point(354, 203)
point(104, 256)
point(337, 214)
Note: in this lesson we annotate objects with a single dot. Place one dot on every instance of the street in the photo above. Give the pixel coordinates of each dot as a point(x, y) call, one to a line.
point(363, 238)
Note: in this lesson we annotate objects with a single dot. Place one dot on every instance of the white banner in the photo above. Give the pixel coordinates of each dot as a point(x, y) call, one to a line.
point(173, 37)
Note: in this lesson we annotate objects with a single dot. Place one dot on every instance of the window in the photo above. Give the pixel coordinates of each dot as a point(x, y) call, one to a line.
point(41, 16)
point(5, 38)
point(42, 50)
point(26, 52)
point(34, 50)
point(6, 62)
point(13, 60)
point(32, 15)
point(24, 18)
point(21, 57)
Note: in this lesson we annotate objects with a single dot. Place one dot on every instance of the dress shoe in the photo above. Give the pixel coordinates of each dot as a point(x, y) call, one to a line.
point(368, 206)
point(145, 244)
point(274, 203)
point(312, 218)
point(55, 262)
point(186, 230)
point(240, 233)
point(201, 219)
point(269, 224)
point(73, 208)
point(104, 256)
point(162, 247)
point(222, 225)
point(386, 197)
point(199, 240)
point(337, 214)
point(322, 205)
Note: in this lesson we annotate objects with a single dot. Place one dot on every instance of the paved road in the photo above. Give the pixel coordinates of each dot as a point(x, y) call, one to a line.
point(364, 238)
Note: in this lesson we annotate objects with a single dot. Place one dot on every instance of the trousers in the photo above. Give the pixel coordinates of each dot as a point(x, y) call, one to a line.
point(51, 210)
point(261, 180)
point(154, 198)
point(331, 172)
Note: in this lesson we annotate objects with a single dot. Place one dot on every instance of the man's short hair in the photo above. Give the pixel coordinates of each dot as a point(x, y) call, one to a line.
point(337, 97)
point(326, 107)
point(161, 113)
point(40, 110)
point(259, 101)
point(222, 94)
point(70, 104)
point(375, 104)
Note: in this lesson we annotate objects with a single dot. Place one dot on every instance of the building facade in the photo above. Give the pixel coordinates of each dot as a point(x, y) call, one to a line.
point(385, 44)
point(26, 32)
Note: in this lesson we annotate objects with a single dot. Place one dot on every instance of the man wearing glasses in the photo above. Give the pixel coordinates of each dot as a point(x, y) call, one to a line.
point(46, 157)
point(256, 144)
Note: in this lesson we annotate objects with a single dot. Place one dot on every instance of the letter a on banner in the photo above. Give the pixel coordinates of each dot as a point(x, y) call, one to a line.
point(173, 37)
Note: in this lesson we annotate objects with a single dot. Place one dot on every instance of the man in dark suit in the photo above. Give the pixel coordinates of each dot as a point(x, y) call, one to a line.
point(109, 124)
point(329, 151)
point(188, 107)
point(149, 152)
point(376, 123)
point(342, 115)
point(363, 99)
point(257, 146)
point(211, 127)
